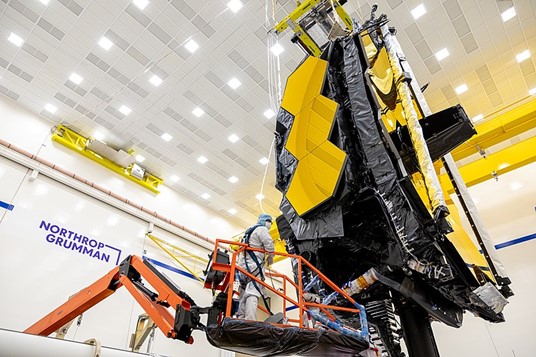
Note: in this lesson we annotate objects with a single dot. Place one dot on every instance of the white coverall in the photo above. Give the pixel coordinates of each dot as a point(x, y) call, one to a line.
point(249, 297)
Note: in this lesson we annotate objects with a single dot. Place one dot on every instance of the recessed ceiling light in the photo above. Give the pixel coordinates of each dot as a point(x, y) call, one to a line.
point(51, 108)
point(125, 110)
point(166, 137)
point(98, 136)
point(140, 4)
point(418, 11)
point(233, 138)
point(532, 91)
point(442, 54)
point(205, 195)
point(234, 83)
point(264, 161)
point(461, 89)
point(508, 14)
point(269, 114)
point(44, 1)
point(191, 46)
point(174, 178)
point(260, 196)
point(277, 49)
point(139, 158)
point(515, 186)
point(523, 56)
point(235, 5)
point(233, 179)
point(198, 112)
point(155, 80)
point(232, 211)
point(105, 43)
point(202, 159)
point(75, 78)
point(16, 40)
point(477, 118)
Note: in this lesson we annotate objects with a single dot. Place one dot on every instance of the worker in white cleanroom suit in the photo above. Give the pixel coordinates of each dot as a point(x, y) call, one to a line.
point(254, 263)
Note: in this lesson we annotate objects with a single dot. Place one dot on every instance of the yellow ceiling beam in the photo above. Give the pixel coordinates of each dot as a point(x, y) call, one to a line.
point(499, 163)
point(499, 129)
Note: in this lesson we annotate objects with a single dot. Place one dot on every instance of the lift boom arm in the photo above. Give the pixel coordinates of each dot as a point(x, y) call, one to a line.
point(128, 274)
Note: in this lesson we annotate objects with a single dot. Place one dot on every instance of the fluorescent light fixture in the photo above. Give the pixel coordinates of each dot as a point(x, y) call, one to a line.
point(174, 178)
point(98, 136)
point(260, 197)
point(105, 43)
point(139, 158)
point(477, 118)
point(235, 5)
point(508, 14)
point(520, 57)
point(264, 161)
point(166, 137)
point(191, 46)
point(198, 112)
point(44, 1)
point(75, 78)
point(418, 11)
point(232, 211)
point(233, 138)
point(140, 4)
point(202, 159)
point(234, 83)
point(532, 91)
point(277, 49)
point(155, 80)
point(442, 54)
point(233, 179)
point(16, 40)
point(461, 89)
point(51, 108)
point(125, 110)
point(269, 114)
point(205, 196)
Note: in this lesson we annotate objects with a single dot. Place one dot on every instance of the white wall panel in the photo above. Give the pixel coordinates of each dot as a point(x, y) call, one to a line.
point(511, 338)
point(507, 207)
point(38, 274)
point(11, 174)
point(21, 127)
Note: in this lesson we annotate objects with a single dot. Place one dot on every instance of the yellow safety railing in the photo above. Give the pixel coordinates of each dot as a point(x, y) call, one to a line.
point(179, 254)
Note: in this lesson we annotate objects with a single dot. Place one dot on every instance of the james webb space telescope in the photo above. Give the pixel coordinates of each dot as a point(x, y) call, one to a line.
point(358, 152)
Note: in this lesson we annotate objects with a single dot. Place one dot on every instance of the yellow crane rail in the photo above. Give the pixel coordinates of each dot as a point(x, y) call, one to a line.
point(78, 143)
point(501, 128)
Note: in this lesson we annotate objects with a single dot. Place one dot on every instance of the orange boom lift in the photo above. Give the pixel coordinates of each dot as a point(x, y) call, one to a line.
point(157, 304)
point(176, 314)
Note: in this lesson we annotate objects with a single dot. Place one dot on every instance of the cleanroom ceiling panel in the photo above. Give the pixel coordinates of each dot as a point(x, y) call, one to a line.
point(62, 37)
